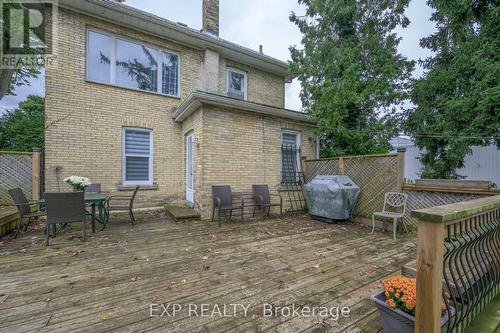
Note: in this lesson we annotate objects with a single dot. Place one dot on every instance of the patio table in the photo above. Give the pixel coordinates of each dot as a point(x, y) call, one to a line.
point(94, 200)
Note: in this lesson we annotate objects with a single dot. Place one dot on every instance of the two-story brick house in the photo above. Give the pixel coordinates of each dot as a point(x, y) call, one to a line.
point(134, 99)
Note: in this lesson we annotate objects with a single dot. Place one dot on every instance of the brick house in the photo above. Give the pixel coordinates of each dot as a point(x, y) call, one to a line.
point(134, 99)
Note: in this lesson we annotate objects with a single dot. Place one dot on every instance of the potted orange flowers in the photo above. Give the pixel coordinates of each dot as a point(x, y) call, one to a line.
point(396, 304)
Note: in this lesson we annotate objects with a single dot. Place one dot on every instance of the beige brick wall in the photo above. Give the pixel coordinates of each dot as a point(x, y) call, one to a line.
point(84, 123)
point(243, 148)
point(84, 120)
point(264, 88)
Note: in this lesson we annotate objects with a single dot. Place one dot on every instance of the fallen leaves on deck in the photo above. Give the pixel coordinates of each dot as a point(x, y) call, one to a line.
point(3, 298)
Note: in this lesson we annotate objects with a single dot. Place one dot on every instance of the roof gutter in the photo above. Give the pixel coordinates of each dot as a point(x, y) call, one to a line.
point(124, 15)
point(198, 98)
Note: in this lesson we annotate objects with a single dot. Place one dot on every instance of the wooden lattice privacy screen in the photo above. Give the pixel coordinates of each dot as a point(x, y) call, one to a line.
point(427, 199)
point(374, 174)
point(15, 171)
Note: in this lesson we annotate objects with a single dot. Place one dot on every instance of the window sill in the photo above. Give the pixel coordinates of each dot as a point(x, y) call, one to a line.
point(131, 89)
point(121, 187)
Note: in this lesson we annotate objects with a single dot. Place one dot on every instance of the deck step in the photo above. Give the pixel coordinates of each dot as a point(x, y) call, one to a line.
point(181, 212)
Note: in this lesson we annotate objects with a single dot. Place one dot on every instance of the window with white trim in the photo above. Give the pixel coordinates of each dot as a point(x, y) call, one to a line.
point(237, 83)
point(137, 156)
point(126, 63)
point(290, 157)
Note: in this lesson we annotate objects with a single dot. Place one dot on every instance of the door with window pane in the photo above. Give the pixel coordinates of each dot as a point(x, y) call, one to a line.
point(190, 168)
point(290, 158)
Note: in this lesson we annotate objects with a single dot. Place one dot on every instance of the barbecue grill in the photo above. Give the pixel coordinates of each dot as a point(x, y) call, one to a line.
point(331, 198)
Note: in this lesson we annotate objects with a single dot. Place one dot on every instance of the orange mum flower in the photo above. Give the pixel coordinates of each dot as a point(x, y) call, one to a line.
point(401, 293)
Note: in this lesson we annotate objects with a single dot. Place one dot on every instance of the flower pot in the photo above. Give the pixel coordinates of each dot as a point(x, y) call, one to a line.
point(395, 320)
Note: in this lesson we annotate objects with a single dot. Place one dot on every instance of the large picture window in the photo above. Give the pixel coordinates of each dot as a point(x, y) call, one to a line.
point(137, 157)
point(136, 66)
point(125, 63)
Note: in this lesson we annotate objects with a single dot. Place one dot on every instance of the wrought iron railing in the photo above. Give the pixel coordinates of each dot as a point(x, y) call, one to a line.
point(458, 257)
point(292, 177)
point(471, 266)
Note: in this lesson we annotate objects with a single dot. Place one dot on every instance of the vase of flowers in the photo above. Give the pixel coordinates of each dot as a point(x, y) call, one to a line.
point(77, 183)
point(396, 305)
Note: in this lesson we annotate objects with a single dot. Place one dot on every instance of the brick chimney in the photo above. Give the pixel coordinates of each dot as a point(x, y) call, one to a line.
point(211, 17)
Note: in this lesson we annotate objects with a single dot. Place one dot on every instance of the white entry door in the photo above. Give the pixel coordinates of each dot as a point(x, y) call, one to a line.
point(190, 168)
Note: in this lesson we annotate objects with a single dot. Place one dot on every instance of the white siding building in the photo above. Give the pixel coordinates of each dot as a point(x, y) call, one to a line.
point(482, 164)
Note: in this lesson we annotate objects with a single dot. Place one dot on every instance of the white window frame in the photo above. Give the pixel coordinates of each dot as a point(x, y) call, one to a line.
point(298, 141)
point(112, 74)
point(245, 80)
point(149, 182)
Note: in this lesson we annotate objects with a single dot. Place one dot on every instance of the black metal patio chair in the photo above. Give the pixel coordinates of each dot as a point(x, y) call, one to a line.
point(223, 201)
point(63, 208)
point(262, 199)
point(93, 188)
point(121, 203)
point(24, 208)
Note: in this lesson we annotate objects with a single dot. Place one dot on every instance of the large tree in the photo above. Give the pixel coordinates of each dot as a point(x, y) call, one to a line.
point(23, 128)
point(351, 74)
point(10, 78)
point(457, 101)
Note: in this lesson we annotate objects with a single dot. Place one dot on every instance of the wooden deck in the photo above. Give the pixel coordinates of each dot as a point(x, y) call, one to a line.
point(108, 283)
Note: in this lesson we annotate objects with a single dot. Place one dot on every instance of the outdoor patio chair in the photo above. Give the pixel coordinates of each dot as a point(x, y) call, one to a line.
point(262, 199)
point(394, 207)
point(93, 188)
point(121, 203)
point(223, 201)
point(63, 208)
point(24, 208)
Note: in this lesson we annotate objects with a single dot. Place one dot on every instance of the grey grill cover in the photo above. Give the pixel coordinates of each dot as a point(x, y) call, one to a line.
point(331, 197)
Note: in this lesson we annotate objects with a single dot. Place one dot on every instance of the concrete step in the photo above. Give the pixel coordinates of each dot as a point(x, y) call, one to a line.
point(181, 212)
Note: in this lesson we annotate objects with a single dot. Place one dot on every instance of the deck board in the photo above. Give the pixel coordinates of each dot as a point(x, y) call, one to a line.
point(108, 283)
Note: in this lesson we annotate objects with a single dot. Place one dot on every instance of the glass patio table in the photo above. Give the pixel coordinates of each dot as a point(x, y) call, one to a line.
point(95, 201)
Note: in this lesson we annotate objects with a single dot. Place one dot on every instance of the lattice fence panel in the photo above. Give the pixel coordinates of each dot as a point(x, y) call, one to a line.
point(321, 167)
point(375, 176)
point(15, 171)
point(426, 199)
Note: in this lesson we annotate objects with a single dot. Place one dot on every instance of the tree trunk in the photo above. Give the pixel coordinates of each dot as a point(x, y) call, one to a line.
point(6, 76)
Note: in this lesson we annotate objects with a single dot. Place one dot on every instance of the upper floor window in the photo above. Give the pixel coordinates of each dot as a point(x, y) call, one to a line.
point(119, 61)
point(237, 83)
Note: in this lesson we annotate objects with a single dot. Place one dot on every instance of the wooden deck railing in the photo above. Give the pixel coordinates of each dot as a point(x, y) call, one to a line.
point(458, 261)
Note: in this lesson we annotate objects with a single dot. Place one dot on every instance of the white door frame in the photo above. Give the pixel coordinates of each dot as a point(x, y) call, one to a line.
point(189, 167)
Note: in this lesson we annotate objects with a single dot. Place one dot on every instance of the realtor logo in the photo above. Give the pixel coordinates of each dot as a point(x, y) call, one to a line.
point(27, 28)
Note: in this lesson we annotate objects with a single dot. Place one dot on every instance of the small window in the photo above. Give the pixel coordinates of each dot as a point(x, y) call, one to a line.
point(99, 57)
point(236, 83)
point(290, 158)
point(137, 157)
point(170, 74)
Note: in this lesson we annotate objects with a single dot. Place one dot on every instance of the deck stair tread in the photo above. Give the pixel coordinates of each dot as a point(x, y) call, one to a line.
point(181, 212)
